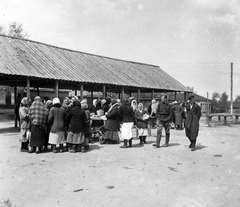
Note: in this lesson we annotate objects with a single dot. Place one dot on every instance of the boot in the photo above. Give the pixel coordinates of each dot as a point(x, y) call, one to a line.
point(87, 147)
point(72, 148)
point(61, 150)
point(167, 140)
point(158, 140)
point(55, 149)
point(190, 146)
point(141, 140)
point(32, 149)
point(125, 141)
point(144, 140)
point(38, 150)
point(193, 145)
point(83, 148)
point(24, 147)
point(130, 142)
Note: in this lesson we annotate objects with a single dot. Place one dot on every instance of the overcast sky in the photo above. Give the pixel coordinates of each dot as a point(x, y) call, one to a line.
point(193, 40)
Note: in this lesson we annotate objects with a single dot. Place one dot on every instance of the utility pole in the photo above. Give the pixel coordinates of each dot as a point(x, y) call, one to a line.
point(231, 107)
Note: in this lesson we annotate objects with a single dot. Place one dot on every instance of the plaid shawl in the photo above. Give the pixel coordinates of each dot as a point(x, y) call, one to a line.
point(38, 113)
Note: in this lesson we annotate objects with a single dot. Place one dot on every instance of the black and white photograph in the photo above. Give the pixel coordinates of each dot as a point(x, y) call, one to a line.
point(120, 103)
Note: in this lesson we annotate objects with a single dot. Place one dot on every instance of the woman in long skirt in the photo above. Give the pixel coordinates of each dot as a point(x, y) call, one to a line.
point(24, 124)
point(38, 116)
point(76, 119)
point(141, 123)
point(56, 120)
point(112, 124)
point(127, 114)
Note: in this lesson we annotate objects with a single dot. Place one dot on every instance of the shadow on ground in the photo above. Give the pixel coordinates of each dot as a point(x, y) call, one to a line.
point(9, 130)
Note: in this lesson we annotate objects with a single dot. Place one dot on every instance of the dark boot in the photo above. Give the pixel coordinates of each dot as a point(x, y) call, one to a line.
point(124, 144)
point(54, 149)
point(144, 140)
point(193, 145)
point(130, 142)
point(72, 148)
point(32, 149)
point(24, 147)
point(167, 140)
point(158, 140)
point(61, 149)
point(190, 146)
point(83, 148)
point(141, 140)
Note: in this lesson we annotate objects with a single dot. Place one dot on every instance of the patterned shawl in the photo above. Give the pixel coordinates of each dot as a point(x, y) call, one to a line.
point(38, 113)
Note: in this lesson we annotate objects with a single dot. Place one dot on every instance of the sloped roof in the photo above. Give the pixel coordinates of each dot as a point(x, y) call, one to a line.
point(26, 58)
point(180, 97)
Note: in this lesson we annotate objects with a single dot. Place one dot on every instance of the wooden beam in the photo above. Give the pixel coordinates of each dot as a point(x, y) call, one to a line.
point(104, 91)
point(185, 96)
point(81, 91)
point(15, 103)
point(122, 93)
point(152, 95)
point(138, 95)
point(28, 88)
point(56, 88)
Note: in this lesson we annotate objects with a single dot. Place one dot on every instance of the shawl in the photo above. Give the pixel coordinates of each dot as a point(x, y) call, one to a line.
point(38, 113)
point(154, 108)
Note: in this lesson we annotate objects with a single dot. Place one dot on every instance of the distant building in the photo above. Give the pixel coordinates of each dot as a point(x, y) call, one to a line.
point(200, 100)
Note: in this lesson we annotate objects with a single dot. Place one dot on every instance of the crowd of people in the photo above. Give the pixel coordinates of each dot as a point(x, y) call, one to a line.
point(67, 126)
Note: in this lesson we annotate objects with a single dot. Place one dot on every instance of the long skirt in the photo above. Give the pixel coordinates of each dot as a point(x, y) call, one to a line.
point(112, 135)
point(24, 135)
point(75, 138)
point(142, 132)
point(56, 137)
point(37, 136)
point(127, 130)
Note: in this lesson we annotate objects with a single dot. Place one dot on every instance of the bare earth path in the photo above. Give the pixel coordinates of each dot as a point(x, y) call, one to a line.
point(140, 176)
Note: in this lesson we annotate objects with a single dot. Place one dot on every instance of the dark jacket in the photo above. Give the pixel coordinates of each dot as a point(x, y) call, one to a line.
point(192, 120)
point(76, 118)
point(126, 113)
point(140, 123)
point(164, 112)
point(56, 118)
point(113, 122)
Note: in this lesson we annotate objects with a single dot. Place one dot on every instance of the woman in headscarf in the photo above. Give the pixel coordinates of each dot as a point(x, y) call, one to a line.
point(152, 112)
point(87, 129)
point(38, 116)
point(95, 106)
point(48, 106)
point(127, 114)
point(24, 124)
point(65, 105)
point(76, 119)
point(112, 124)
point(56, 120)
point(141, 123)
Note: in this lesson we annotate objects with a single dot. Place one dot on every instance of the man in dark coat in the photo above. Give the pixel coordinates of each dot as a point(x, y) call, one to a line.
point(192, 121)
point(164, 119)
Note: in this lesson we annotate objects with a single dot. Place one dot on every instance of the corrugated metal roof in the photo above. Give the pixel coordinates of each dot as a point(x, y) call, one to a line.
point(33, 59)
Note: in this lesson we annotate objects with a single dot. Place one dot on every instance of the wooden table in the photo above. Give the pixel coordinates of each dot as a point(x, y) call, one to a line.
point(224, 115)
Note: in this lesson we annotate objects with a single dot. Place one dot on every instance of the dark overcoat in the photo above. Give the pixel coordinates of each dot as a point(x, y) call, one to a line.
point(192, 121)
point(113, 122)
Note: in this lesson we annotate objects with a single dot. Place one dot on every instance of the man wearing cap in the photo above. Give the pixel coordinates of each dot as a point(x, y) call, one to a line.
point(192, 121)
point(164, 119)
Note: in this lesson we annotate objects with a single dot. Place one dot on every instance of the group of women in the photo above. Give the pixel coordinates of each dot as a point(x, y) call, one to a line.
point(42, 125)
point(67, 126)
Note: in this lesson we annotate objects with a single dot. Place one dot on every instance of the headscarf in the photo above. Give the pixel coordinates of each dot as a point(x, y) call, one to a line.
point(114, 103)
point(84, 104)
point(24, 101)
point(38, 113)
point(48, 104)
point(66, 102)
point(154, 107)
point(95, 102)
point(140, 104)
point(134, 104)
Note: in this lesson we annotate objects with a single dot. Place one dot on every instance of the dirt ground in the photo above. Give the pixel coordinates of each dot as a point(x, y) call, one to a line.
point(138, 176)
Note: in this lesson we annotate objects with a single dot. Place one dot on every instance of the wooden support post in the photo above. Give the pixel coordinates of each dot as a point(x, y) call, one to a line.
point(225, 120)
point(56, 88)
point(185, 97)
point(15, 103)
point(231, 96)
point(122, 93)
point(219, 118)
point(236, 119)
point(175, 96)
point(81, 91)
point(92, 95)
point(152, 95)
point(75, 92)
point(104, 91)
point(38, 91)
point(138, 95)
point(28, 88)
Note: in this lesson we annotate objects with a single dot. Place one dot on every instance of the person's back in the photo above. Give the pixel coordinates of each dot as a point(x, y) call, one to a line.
point(127, 113)
point(57, 117)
